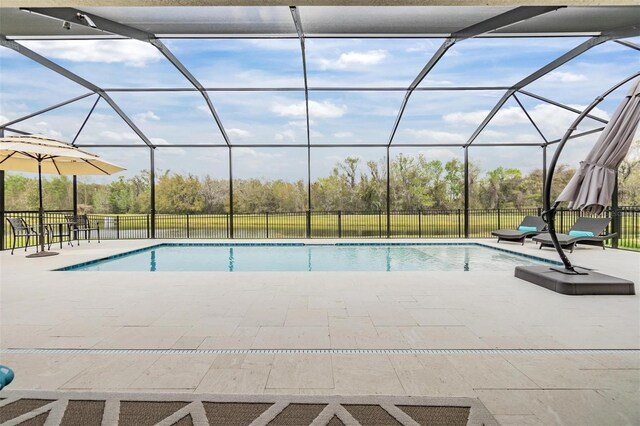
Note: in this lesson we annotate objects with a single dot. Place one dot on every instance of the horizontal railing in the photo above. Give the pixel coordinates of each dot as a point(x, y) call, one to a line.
point(339, 224)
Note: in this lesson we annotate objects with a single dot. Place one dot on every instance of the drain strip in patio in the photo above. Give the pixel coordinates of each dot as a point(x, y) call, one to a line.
point(35, 408)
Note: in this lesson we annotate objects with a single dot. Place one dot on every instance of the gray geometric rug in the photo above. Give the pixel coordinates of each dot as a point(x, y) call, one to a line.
point(39, 408)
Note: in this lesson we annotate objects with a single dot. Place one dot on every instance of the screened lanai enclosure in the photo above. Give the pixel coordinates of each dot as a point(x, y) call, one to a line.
point(315, 121)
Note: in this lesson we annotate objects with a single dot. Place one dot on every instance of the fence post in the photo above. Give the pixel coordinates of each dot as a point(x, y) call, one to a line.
point(226, 216)
point(419, 223)
point(379, 224)
point(339, 224)
point(499, 227)
point(152, 184)
point(266, 215)
point(616, 220)
point(149, 226)
point(308, 223)
point(188, 225)
point(117, 227)
point(459, 224)
point(1, 207)
point(466, 191)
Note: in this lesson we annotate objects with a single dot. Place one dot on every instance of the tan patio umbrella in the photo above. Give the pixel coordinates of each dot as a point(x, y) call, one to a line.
point(44, 155)
point(591, 187)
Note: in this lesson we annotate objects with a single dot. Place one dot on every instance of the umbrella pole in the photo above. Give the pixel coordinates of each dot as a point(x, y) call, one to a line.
point(549, 213)
point(43, 252)
point(41, 211)
point(549, 216)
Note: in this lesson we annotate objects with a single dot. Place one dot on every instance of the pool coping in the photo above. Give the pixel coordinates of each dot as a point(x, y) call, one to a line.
point(76, 267)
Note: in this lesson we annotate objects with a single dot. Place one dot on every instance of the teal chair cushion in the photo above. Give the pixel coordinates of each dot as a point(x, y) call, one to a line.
point(581, 233)
point(527, 228)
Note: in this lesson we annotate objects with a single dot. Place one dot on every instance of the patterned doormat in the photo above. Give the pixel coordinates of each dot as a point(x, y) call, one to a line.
point(34, 408)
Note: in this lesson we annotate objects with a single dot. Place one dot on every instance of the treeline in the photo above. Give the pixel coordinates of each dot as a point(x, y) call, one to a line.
point(416, 183)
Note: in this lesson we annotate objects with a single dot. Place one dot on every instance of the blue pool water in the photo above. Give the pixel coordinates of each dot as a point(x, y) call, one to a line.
point(300, 257)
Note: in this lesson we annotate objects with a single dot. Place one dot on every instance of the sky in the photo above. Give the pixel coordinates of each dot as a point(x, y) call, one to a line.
point(336, 117)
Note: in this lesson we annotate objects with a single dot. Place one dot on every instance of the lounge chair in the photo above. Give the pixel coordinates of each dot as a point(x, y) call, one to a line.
point(81, 223)
point(529, 227)
point(20, 228)
point(586, 230)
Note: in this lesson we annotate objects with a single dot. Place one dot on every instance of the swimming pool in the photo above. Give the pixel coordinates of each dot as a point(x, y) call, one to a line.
point(311, 257)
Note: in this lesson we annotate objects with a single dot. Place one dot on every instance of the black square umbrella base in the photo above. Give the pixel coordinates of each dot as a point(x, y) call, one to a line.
point(588, 284)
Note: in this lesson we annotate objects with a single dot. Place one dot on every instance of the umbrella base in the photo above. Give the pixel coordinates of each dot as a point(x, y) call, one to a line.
point(44, 253)
point(589, 283)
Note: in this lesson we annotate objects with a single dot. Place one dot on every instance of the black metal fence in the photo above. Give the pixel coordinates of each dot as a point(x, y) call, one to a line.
point(341, 224)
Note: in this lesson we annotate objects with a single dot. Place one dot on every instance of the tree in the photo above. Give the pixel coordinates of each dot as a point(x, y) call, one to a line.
point(215, 195)
point(21, 193)
point(416, 183)
point(502, 188)
point(179, 194)
point(119, 197)
point(629, 176)
point(373, 188)
point(454, 179)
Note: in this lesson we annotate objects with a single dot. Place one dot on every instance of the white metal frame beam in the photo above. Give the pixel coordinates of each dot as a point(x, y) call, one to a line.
point(79, 17)
point(573, 53)
point(76, 79)
point(511, 17)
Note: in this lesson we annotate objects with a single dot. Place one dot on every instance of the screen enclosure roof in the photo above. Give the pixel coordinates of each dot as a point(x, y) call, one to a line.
point(322, 21)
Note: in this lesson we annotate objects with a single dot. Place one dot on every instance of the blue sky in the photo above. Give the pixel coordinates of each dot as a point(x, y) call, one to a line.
point(444, 117)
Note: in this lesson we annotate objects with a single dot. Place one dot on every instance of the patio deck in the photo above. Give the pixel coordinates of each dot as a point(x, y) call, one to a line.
point(326, 310)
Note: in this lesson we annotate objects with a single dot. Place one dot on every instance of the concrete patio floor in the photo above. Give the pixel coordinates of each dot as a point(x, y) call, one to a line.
point(40, 308)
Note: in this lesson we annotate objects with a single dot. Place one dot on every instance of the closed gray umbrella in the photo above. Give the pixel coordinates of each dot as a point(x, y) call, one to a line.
point(591, 187)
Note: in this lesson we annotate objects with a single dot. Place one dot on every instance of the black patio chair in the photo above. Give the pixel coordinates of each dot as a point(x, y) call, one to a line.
point(529, 227)
point(20, 228)
point(81, 224)
point(580, 230)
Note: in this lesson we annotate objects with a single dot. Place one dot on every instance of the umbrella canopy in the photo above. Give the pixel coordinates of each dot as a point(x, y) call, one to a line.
point(39, 154)
point(591, 187)
point(23, 153)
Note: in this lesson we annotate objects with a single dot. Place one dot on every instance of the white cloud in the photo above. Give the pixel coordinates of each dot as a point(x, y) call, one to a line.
point(473, 117)
point(565, 77)
point(504, 117)
point(353, 60)
point(129, 52)
point(146, 116)
point(343, 135)
point(323, 109)
point(238, 133)
point(285, 136)
point(119, 136)
point(159, 141)
point(165, 151)
point(42, 128)
point(442, 154)
point(555, 121)
point(434, 136)
point(252, 153)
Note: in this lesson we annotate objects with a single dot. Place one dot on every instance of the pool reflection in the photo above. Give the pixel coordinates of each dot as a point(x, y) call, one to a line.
point(153, 264)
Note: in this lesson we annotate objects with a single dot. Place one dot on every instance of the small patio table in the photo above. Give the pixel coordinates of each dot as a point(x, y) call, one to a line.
point(60, 225)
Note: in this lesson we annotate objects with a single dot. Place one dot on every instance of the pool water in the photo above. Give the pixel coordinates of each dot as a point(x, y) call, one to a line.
point(300, 257)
